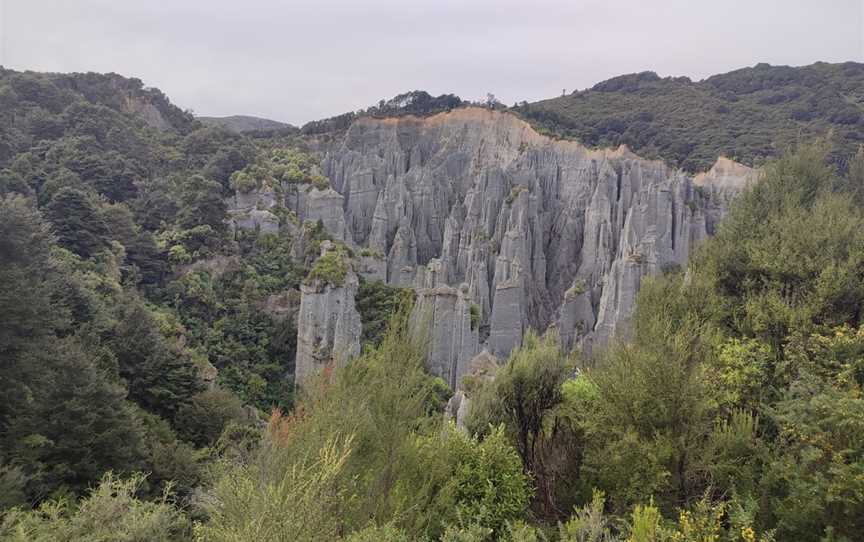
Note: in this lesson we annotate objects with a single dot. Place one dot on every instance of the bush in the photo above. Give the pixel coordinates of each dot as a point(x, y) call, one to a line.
point(204, 417)
point(330, 268)
point(474, 313)
point(110, 513)
point(277, 498)
point(526, 396)
point(466, 478)
point(377, 302)
point(387, 533)
point(243, 182)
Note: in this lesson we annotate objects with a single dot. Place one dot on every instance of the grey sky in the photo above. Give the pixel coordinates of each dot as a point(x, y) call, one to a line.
point(299, 60)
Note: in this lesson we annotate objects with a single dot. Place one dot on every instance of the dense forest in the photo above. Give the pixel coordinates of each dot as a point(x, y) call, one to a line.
point(748, 115)
point(148, 390)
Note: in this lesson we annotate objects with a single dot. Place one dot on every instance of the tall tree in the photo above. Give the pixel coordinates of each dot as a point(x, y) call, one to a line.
point(77, 222)
point(201, 203)
point(63, 421)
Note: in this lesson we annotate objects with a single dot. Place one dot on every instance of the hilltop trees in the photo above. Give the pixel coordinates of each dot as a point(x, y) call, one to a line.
point(751, 115)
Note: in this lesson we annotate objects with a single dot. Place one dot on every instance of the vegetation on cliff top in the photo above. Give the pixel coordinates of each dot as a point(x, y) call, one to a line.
point(330, 268)
point(418, 102)
point(749, 114)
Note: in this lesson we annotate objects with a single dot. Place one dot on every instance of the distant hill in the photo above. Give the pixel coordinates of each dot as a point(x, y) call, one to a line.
point(53, 92)
point(747, 114)
point(245, 123)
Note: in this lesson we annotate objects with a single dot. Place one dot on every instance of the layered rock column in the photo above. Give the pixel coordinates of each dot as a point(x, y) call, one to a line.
point(442, 317)
point(328, 327)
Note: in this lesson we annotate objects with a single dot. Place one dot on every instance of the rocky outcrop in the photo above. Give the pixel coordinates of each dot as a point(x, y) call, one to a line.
point(442, 317)
point(253, 211)
point(531, 230)
point(281, 306)
point(481, 368)
point(146, 111)
point(457, 409)
point(328, 325)
point(312, 204)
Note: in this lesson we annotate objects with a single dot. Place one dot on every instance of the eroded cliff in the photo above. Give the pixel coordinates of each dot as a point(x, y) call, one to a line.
point(534, 232)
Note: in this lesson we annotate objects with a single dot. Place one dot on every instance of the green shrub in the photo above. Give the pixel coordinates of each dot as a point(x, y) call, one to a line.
point(386, 533)
point(579, 287)
point(243, 182)
point(110, 513)
point(372, 253)
point(203, 418)
point(474, 313)
point(279, 499)
point(330, 268)
point(588, 523)
point(377, 302)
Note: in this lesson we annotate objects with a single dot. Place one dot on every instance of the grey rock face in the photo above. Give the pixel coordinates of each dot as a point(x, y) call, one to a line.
point(442, 316)
point(482, 368)
point(457, 409)
point(147, 112)
point(256, 219)
point(328, 327)
point(478, 197)
point(251, 211)
point(312, 204)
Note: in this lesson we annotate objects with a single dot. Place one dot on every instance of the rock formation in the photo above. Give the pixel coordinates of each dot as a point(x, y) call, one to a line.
point(443, 315)
point(252, 211)
point(328, 324)
point(481, 369)
point(533, 231)
point(474, 208)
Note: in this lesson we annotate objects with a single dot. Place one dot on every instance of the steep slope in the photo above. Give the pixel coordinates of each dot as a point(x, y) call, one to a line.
point(747, 114)
point(532, 231)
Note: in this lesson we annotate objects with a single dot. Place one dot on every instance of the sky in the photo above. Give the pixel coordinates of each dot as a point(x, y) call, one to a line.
point(300, 60)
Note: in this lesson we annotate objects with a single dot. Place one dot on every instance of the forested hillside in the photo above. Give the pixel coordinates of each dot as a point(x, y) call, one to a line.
point(748, 115)
point(147, 350)
point(131, 333)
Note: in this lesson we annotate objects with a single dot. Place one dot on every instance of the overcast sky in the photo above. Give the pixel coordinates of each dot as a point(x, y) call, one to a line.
point(298, 60)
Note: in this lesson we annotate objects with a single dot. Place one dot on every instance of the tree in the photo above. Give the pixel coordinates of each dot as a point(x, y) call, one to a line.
point(201, 203)
point(654, 410)
point(27, 276)
point(63, 421)
point(77, 222)
point(160, 376)
point(456, 478)
point(68, 424)
point(205, 416)
point(525, 396)
point(814, 483)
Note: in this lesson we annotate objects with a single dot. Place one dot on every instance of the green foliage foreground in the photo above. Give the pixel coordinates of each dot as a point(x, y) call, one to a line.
point(348, 460)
